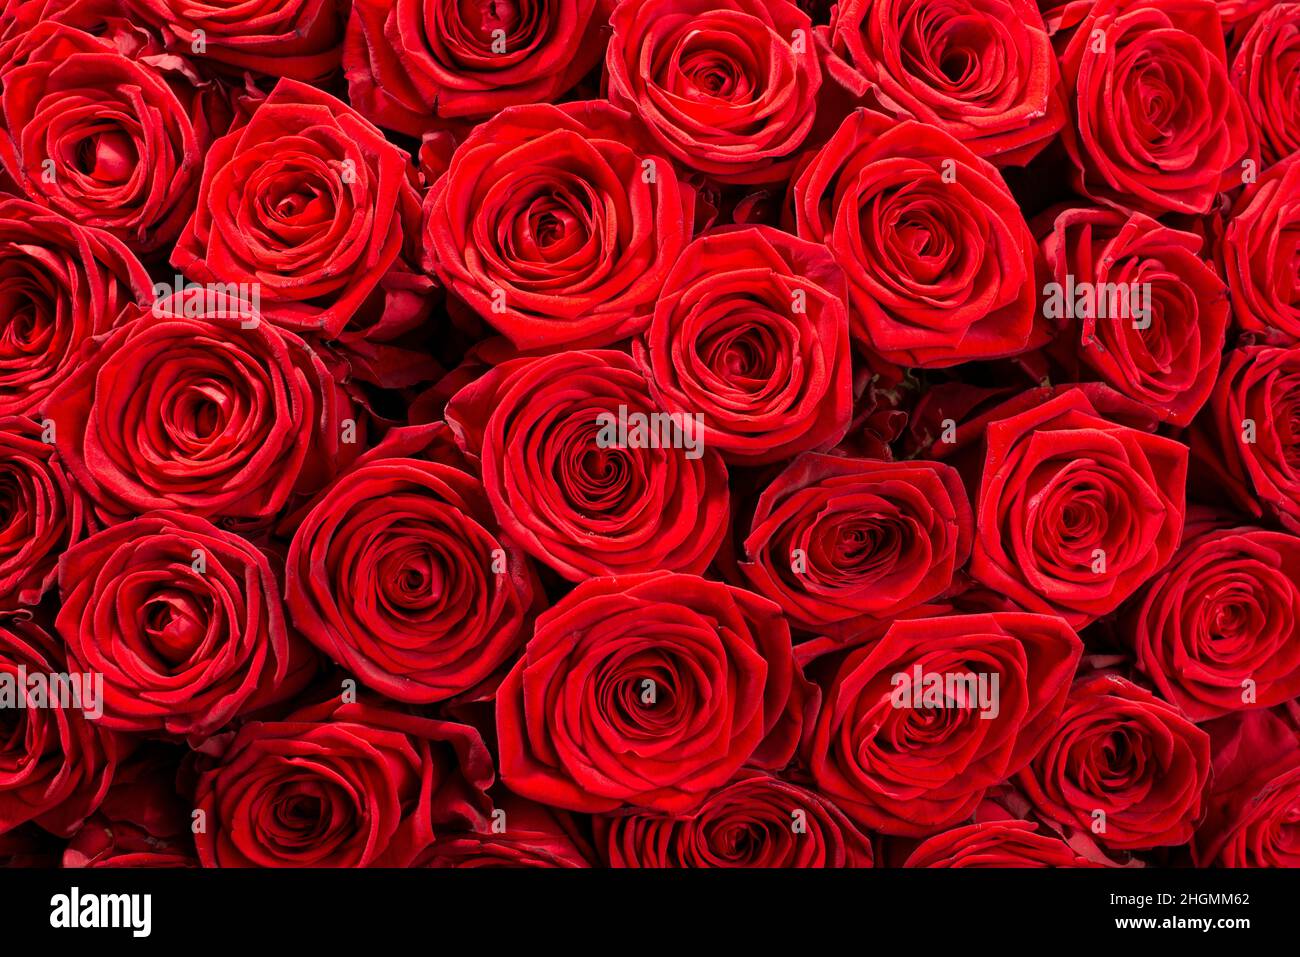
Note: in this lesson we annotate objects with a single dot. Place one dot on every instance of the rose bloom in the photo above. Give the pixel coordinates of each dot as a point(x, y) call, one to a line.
point(143, 822)
point(106, 140)
point(939, 258)
point(1158, 126)
point(1266, 71)
point(299, 39)
point(413, 65)
point(1247, 441)
point(906, 770)
point(337, 785)
point(995, 844)
point(1254, 798)
point(752, 332)
point(557, 225)
point(213, 414)
point(399, 573)
point(528, 835)
point(1074, 511)
point(312, 204)
point(1122, 764)
point(650, 691)
point(835, 540)
point(181, 618)
point(757, 820)
point(1261, 255)
point(60, 285)
point(55, 763)
point(1217, 631)
point(982, 70)
point(581, 504)
point(1167, 358)
point(726, 87)
point(42, 511)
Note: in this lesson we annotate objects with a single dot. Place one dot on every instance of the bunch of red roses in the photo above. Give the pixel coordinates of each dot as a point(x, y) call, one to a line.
point(650, 433)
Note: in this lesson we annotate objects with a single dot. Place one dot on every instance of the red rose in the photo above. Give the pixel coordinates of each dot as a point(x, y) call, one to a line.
point(1157, 124)
point(755, 821)
point(299, 39)
point(1154, 314)
point(558, 225)
point(522, 834)
point(726, 87)
point(904, 742)
point(1266, 71)
point(212, 413)
point(939, 258)
point(752, 332)
point(1248, 439)
point(332, 785)
point(1122, 765)
point(60, 284)
point(834, 540)
point(1074, 511)
point(181, 618)
point(106, 140)
point(983, 70)
point(572, 491)
point(398, 572)
point(648, 690)
point(56, 763)
point(142, 822)
point(310, 207)
point(1254, 795)
point(411, 65)
point(1217, 630)
point(995, 844)
point(41, 511)
point(1261, 255)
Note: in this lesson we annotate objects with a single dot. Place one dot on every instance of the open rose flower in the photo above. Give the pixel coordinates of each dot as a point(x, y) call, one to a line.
point(1254, 800)
point(309, 205)
point(1261, 255)
point(757, 820)
point(60, 285)
point(521, 834)
point(56, 763)
point(995, 844)
point(337, 785)
point(558, 225)
point(42, 512)
point(299, 39)
point(575, 492)
point(1154, 326)
point(398, 572)
point(648, 690)
point(1248, 438)
point(1219, 629)
point(1158, 126)
point(939, 258)
point(1074, 511)
point(107, 140)
point(198, 405)
point(1122, 765)
point(982, 70)
point(412, 65)
point(1266, 70)
point(835, 540)
point(727, 87)
point(752, 332)
point(181, 618)
point(915, 727)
